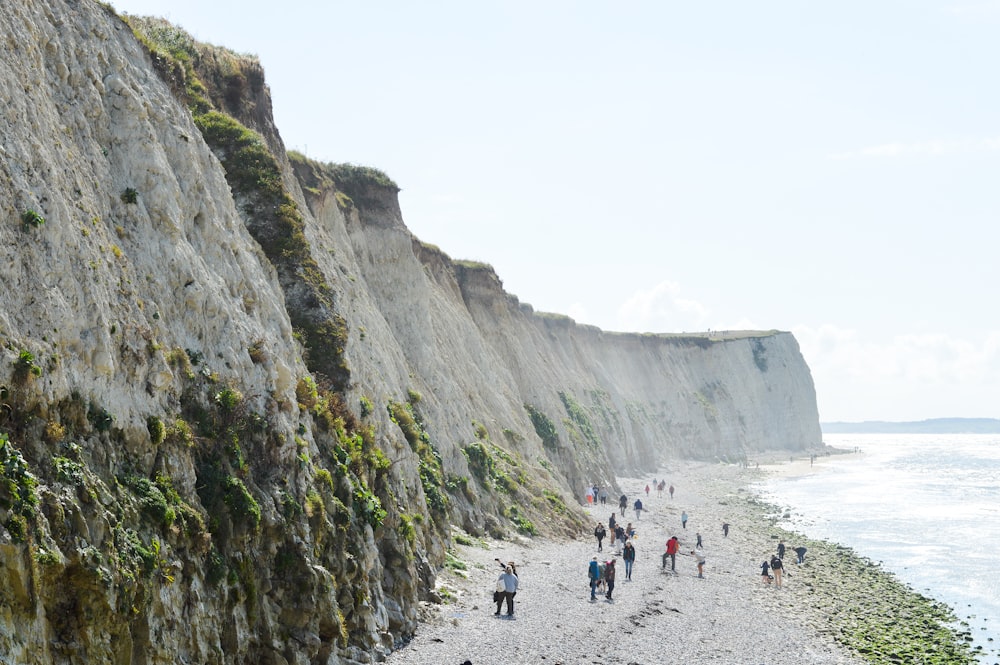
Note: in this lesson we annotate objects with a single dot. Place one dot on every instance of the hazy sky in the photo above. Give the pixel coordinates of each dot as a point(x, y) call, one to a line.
point(825, 168)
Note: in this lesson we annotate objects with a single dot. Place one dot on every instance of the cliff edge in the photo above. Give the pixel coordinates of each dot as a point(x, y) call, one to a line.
point(243, 409)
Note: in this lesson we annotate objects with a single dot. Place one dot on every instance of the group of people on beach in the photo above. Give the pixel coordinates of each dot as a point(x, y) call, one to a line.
point(595, 494)
point(602, 574)
point(772, 570)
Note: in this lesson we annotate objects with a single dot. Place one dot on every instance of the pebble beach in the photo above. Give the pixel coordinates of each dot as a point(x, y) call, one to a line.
point(820, 615)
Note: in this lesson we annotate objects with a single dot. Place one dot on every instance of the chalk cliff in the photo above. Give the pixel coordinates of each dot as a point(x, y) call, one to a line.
point(242, 407)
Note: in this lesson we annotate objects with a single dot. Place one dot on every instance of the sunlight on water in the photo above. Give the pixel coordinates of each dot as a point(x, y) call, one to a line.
point(926, 505)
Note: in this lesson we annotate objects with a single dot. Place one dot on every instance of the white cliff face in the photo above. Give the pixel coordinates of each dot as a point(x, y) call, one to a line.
point(478, 356)
point(172, 492)
point(87, 121)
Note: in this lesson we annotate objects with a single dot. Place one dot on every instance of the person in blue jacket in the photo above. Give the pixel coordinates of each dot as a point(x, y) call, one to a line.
point(594, 573)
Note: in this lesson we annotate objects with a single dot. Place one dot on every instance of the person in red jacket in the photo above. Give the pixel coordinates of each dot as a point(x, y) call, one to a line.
point(673, 545)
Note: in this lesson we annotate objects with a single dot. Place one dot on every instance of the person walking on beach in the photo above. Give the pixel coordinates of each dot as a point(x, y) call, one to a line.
point(776, 568)
point(801, 553)
point(781, 549)
point(671, 491)
point(604, 496)
point(700, 558)
point(628, 556)
point(509, 582)
point(672, 546)
point(638, 508)
point(622, 504)
point(765, 572)
point(599, 533)
point(698, 544)
point(684, 519)
point(594, 574)
point(609, 577)
point(659, 488)
point(611, 528)
point(725, 529)
point(647, 489)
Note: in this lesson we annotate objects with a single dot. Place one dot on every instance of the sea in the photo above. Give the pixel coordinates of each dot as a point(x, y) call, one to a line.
point(925, 506)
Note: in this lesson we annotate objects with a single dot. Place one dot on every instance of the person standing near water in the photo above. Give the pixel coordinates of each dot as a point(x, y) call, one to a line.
point(776, 568)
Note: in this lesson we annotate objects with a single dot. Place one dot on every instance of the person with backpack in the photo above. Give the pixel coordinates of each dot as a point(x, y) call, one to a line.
point(609, 577)
point(599, 533)
point(622, 504)
point(776, 568)
point(508, 582)
point(594, 574)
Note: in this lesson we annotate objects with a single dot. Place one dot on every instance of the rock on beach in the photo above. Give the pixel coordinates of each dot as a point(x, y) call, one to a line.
point(729, 616)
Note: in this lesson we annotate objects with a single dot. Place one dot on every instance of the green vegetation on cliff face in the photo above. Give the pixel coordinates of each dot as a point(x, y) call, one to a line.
point(180, 475)
point(353, 185)
point(271, 214)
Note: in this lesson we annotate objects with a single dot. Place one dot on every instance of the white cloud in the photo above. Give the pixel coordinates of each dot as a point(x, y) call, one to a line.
point(662, 309)
point(932, 148)
point(909, 377)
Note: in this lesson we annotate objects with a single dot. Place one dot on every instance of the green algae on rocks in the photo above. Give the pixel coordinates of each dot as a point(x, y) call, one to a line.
point(868, 609)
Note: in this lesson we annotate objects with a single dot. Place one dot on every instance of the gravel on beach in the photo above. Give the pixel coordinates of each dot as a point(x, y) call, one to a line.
point(729, 616)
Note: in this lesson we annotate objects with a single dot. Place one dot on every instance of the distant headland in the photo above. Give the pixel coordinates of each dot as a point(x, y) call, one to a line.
point(931, 426)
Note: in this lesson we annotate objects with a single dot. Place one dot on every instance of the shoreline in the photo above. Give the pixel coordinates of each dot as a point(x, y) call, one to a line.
point(826, 612)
